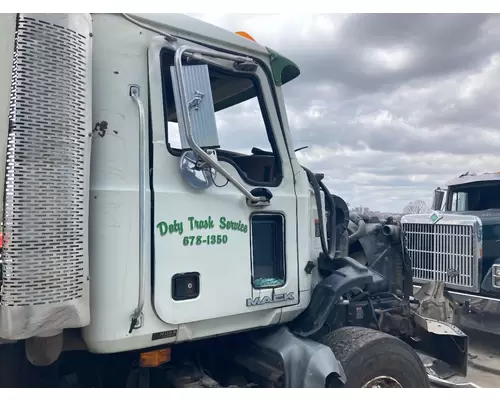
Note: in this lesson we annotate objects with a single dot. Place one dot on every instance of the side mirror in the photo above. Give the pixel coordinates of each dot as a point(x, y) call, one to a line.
point(194, 107)
point(437, 202)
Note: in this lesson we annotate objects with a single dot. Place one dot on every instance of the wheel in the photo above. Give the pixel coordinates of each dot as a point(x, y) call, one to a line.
point(373, 359)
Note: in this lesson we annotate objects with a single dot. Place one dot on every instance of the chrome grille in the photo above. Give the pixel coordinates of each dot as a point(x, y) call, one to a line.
point(45, 266)
point(443, 252)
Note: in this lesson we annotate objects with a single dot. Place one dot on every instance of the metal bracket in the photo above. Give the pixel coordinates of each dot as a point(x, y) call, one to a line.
point(136, 322)
point(135, 91)
point(195, 103)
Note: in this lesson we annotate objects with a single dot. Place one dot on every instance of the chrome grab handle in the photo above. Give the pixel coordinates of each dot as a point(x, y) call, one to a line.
point(137, 315)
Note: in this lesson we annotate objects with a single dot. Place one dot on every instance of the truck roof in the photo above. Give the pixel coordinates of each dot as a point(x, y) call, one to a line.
point(186, 25)
point(183, 26)
point(486, 177)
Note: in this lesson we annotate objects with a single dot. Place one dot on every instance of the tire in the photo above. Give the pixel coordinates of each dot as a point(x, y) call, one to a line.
point(366, 355)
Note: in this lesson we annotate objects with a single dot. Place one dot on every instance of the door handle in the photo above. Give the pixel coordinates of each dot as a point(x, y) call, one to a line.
point(262, 192)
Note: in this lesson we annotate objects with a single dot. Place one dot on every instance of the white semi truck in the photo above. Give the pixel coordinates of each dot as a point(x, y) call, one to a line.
point(130, 259)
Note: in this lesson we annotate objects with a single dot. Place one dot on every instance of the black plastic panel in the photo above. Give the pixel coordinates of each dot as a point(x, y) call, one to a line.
point(186, 286)
point(268, 250)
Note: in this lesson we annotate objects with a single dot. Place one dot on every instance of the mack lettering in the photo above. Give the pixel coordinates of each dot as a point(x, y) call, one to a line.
point(275, 298)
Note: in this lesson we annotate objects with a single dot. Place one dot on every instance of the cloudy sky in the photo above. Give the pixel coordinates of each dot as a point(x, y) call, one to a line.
point(390, 105)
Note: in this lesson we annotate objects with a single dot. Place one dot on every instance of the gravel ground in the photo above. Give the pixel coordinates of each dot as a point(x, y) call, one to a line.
point(484, 359)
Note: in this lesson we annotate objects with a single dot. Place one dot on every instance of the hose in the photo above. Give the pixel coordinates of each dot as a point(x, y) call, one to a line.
point(361, 225)
point(392, 231)
point(329, 246)
point(359, 233)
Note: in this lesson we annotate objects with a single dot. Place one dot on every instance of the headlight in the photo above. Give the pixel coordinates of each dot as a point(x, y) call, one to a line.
point(496, 276)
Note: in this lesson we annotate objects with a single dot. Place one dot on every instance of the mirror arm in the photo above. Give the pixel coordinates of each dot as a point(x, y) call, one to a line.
point(186, 123)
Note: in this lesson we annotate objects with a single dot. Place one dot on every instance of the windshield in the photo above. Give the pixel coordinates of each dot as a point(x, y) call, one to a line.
point(473, 197)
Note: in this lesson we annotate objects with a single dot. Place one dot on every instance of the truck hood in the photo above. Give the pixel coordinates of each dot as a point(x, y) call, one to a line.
point(487, 217)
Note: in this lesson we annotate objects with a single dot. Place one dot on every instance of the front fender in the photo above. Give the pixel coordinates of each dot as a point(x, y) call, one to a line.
point(306, 363)
point(347, 274)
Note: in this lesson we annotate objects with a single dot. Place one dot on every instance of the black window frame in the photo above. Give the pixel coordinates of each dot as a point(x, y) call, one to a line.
point(224, 154)
point(284, 243)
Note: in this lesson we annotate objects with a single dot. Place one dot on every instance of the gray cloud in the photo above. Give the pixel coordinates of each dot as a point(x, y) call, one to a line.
point(391, 105)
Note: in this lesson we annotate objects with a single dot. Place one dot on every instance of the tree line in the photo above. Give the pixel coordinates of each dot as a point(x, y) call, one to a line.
point(416, 207)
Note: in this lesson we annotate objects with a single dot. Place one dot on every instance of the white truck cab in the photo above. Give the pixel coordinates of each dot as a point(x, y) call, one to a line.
point(130, 222)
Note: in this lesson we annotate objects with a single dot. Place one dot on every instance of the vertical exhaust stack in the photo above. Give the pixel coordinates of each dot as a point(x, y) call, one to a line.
point(45, 274)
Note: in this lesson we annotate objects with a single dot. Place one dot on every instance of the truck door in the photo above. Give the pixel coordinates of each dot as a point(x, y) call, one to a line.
point(214, 255)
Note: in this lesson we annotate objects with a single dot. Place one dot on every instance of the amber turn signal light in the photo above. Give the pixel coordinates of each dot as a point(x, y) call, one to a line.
point(154, 358)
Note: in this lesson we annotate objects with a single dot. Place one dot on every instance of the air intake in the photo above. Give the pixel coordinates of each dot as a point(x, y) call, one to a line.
point(45, 254)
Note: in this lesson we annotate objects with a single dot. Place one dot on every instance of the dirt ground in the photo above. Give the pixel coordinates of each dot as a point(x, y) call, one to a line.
point(484, 359)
